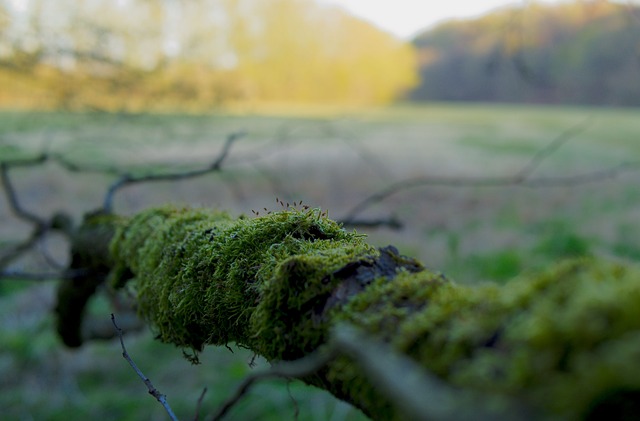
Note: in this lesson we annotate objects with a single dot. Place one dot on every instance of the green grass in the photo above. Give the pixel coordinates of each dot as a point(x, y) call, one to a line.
point(42, 380)
point(329, 158)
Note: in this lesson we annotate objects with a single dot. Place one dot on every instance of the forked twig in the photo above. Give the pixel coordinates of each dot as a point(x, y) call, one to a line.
point(417, 393)
point(152, 390)
point(128, 178)
point(550, 148)
point(12, 196)
point(40, 225)
point(520, 178)
point(287, 369)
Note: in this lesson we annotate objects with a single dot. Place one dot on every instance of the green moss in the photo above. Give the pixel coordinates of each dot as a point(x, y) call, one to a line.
point(290, 317)
point(561, 340)
point(163, 249)
point(203, 278)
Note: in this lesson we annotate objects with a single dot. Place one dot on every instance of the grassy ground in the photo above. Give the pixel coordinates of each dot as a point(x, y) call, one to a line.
point(326, 158)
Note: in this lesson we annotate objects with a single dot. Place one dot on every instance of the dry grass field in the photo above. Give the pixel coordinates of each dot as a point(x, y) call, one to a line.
point(582, 199)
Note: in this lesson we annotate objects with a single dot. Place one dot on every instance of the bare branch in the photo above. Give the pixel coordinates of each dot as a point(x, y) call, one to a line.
point(351, 141)
point(419, 394)
point(410, 183)
point(41, 226)
point(98, 328)
point(584, 178)
point(391, 222)
point(20, 249)
point(296, 413)
point(287, 369)
point(520, 178)
point(552, 147)
point(152, 390)
point(217, 164)
point(26, 162)
point(12, 197)
point(74, 167)
point(128, 178)
point(196, 417)
point(43, 276)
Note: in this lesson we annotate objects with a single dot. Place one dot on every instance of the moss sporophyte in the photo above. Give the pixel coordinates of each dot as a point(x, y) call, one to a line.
point(565, 341)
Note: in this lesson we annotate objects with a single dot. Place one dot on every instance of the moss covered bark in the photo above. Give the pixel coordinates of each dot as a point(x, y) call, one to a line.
point(566, 341)
point(90, 264)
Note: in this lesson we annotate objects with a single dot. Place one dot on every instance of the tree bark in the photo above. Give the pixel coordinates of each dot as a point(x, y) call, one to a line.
point(563, 343)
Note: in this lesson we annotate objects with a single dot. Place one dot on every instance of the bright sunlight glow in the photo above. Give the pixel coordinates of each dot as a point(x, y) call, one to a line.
point(406, 18)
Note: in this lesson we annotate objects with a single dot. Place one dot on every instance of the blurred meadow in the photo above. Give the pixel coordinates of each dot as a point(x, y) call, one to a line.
point(338, 117)
point(327, 159)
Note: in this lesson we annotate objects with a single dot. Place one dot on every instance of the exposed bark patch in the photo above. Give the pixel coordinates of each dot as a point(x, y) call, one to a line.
point(354, 277)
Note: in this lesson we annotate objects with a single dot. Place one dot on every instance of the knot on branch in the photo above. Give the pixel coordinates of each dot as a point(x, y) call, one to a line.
point(354, 277)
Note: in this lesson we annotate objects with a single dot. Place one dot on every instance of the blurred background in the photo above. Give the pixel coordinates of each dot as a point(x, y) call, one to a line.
point(487, 138)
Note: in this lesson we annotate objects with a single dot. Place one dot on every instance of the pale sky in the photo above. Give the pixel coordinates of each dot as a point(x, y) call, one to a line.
point(405, 18)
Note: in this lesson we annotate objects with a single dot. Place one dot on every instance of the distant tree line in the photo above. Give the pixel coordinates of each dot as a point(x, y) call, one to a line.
point(584, 52)
point(141, 54)
point(138, 54)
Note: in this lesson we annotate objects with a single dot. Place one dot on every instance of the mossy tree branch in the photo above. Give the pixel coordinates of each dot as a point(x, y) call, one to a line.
point(563, 343)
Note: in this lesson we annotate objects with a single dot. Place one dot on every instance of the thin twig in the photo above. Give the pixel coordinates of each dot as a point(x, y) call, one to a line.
point(597, 176)
point(43, 276)
point(77, 168)
point(127, 179)
point(20, 249)
point(152, 390)
point(26, 162)
point(391, 222)
point(48, 258)
point(12, 197)
point(551, 148)
point(410, 183)
point(296, 407)
point(40, 225)
point(520, 178)
point(351, 140)
point(287, 369)
point(415, 392)
point(196, 417)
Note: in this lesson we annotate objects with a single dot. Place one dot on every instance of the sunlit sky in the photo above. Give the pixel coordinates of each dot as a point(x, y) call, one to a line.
point(405, 18)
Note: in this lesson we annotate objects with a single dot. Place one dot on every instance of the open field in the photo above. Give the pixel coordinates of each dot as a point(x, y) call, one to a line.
point(328, 159)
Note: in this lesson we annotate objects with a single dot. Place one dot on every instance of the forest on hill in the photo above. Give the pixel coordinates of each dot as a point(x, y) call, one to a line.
point(144, 55)
point(133, 55)
point(584, 52)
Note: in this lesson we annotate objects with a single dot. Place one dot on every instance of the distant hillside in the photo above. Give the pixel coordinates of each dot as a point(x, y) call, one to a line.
point(585, 52)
